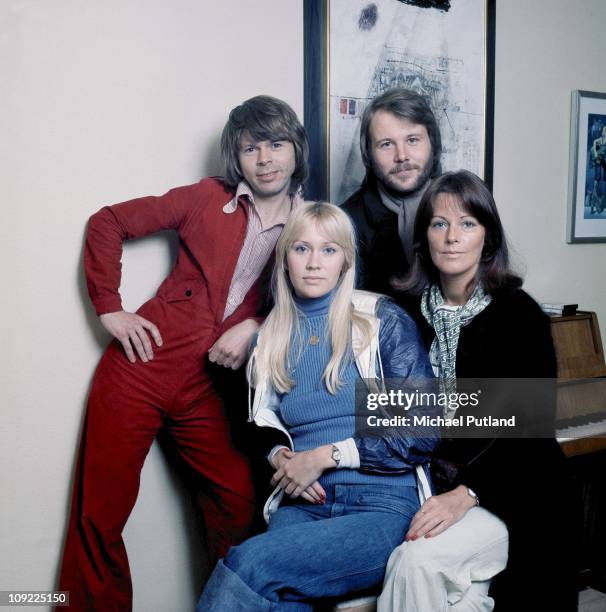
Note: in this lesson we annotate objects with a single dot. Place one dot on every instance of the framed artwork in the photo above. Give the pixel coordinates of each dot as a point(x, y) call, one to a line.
point(587, 172)
point(357, 49)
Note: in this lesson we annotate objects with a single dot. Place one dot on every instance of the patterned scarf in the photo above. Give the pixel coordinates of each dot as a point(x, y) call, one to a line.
point(447, 322)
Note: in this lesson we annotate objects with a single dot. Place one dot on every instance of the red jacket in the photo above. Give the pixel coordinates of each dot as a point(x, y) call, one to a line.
point(210, 241)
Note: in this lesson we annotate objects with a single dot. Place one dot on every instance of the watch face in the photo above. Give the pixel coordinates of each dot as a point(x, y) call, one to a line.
point(336, 455)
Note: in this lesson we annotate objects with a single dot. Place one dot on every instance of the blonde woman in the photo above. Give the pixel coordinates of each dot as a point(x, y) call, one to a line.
point(345, 501)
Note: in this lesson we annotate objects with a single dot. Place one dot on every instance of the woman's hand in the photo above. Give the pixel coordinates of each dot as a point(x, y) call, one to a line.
point(439, 512)
point(298, 473)
point(314, 493)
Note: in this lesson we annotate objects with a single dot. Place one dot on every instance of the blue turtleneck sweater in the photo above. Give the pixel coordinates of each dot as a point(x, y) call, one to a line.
point(312, 414)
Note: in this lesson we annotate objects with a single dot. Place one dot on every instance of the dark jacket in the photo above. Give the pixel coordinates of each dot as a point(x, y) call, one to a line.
point(380, 252)
point(525, 482)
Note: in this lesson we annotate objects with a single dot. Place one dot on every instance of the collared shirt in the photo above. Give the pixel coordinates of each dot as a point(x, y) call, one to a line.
point(257, 248)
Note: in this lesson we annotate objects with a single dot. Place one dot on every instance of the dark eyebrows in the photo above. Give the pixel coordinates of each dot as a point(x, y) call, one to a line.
point(460, 217)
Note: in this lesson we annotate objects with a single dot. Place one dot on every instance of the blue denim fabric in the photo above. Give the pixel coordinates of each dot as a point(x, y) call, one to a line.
point(314, 551)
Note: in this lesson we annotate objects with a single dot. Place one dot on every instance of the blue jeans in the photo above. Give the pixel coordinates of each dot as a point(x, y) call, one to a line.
point(314, 551)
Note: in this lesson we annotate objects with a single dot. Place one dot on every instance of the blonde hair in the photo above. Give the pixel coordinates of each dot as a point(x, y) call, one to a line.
point(271, 358)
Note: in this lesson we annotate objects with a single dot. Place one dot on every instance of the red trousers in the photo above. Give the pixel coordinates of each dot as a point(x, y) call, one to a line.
point(128, 405)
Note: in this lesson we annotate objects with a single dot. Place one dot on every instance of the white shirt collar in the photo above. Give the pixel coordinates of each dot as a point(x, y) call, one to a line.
point(242, 189)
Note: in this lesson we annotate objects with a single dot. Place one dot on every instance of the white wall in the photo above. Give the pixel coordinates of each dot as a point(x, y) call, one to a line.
point(544, 50)
point(101, 102)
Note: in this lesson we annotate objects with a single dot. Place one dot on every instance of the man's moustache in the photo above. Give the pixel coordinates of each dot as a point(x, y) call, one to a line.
point(397, 169)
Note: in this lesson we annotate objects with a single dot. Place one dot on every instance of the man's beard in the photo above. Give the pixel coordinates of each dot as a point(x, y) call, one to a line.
point(391, 184)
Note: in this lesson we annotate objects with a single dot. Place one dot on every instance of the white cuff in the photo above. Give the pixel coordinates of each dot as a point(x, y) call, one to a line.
point(273, 451)
point(350, 457)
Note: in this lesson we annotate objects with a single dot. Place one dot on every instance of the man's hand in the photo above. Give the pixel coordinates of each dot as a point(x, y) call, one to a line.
point(133, 332)
point(439, 512)
point(297, 472)
point(231, 349)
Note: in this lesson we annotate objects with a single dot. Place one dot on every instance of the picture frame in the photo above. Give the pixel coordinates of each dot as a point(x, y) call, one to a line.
point(356, 49)
point(586, 219)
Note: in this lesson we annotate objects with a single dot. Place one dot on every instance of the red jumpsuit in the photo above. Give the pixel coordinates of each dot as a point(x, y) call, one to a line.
point(130, 402)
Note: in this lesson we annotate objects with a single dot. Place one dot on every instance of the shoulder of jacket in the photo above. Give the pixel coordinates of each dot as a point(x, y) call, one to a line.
point(377, 305)
point(356, 202)
point(354, 199)
point(522, 297)
point(366, 302)
point(213, 191)
point(518, 299)
point(511, 315)
point(215, 185)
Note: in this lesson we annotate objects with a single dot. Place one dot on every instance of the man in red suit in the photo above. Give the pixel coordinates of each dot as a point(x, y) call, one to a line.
point(155, 374)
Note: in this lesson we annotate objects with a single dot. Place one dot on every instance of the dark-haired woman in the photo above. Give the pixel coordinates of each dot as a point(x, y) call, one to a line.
point(502, 503)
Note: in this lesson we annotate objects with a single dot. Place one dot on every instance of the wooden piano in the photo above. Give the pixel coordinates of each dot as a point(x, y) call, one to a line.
point(581, 430)
point(581, 409)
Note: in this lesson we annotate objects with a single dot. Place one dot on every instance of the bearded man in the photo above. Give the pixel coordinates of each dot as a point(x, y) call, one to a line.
point(401, 147)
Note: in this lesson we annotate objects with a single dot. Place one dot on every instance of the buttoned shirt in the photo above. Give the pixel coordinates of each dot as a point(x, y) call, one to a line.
point(257, 248)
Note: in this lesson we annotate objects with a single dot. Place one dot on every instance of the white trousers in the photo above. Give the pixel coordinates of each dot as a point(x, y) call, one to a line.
point(450, 572)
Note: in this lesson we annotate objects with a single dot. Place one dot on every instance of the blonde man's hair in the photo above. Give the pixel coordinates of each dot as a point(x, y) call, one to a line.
point(271, 359)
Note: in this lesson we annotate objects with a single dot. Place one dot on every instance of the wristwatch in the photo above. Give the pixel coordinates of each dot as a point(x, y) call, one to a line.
point(472, 493)
point(336, 455)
